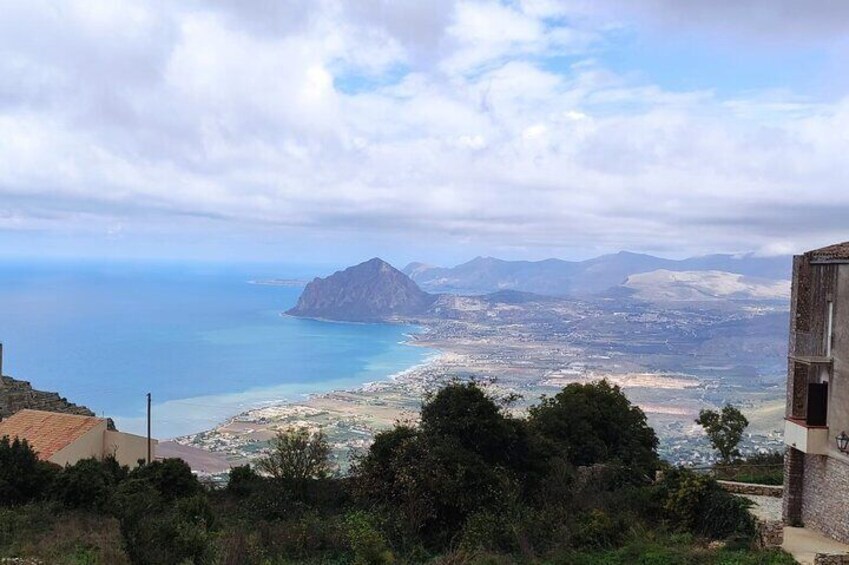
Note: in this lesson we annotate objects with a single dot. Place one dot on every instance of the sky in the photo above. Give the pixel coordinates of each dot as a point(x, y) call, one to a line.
point(331, 131)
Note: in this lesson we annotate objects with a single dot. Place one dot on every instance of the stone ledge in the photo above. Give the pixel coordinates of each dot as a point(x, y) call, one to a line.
point(831, 559)
point(734, 487)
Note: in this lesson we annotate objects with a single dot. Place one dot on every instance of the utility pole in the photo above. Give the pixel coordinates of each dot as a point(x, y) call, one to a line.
point(148, 428)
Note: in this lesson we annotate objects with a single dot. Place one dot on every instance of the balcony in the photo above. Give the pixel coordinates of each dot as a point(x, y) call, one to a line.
point(805, 437)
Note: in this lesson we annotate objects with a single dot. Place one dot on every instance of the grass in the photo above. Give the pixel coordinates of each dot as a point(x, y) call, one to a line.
point(46, 532)
point(677, 550)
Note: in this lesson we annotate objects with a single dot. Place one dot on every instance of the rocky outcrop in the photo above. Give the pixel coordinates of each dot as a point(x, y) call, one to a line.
point(369, 292)
point(16, 395)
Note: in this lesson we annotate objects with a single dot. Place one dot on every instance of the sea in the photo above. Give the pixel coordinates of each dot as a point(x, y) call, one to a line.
point(205, 340)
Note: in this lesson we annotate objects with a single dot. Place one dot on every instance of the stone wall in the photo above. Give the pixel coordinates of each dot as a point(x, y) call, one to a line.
point(769, 533)
point(825, 500)
point(753, 489)
point(831, 559)
point(17, 395)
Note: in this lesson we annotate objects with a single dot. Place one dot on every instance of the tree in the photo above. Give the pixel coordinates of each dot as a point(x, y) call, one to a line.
point(724, 429)
point(595, 423)
point(465, 457)
point(465, 414)
point(23, 477)
point(297, 455)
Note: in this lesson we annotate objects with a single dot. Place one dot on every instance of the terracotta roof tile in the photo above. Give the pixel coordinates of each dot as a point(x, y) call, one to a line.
point(838, 252)
point(47, 432)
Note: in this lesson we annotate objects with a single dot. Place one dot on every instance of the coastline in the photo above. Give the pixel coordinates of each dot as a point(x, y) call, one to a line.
point(348, 416)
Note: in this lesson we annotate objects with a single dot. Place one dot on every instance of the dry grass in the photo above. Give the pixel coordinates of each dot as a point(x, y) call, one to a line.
point(46, 533)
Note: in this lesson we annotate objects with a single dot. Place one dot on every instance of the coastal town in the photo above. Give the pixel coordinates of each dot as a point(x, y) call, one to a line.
point(671, 359)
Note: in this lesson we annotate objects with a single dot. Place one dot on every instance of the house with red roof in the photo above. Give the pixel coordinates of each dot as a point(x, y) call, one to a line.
point(65, 439)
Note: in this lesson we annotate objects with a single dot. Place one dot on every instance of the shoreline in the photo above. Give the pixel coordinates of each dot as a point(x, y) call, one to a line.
point(509, 358)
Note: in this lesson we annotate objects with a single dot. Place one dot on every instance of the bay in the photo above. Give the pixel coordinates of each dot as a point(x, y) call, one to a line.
point(201, 338)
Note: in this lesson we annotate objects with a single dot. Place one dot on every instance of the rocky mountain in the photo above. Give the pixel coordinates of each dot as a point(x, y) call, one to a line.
point(672, 286)
point(555, 277)
point(17, 395)
point(368, 292)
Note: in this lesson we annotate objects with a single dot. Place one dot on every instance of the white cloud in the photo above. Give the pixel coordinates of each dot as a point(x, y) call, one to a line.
point(457, 121)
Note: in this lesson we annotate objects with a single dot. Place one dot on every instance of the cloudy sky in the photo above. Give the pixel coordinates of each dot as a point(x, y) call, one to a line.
point(335, 130)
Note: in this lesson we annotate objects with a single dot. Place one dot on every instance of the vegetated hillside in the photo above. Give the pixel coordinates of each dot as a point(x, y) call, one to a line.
point(572, 481)
point(370, 291)
point(663, 285)
point(580, 278)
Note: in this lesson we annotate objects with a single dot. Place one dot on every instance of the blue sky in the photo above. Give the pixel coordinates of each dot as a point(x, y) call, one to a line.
point(333, 131)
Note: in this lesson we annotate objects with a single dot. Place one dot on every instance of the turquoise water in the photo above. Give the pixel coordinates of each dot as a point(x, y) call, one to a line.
point(204, 341)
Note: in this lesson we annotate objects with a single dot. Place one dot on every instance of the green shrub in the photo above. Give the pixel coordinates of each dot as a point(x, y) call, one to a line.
point(698, 504)
point(23, 477)
point(86, 484)
point(157, 530)
point(367, 542)
point(172, 478)
point(597, 529)
point(242, 480)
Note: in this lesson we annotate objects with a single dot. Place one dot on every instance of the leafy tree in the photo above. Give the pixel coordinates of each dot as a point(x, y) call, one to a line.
point(172, 478)
point(23, 477)
point(724, 429)
point(242, 480)
point(466, 456)
point(595, 423)
point(88, 483)
point(297, 455)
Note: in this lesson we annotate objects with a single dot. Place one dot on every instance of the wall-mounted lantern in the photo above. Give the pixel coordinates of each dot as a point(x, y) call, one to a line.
point(843, 442)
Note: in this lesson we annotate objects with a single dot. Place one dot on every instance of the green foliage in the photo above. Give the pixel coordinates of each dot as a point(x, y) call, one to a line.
point(88, 483)
point(297, 455)
point(242, 480)
point(465, 415)
point(172, 478)
point(367, 542)
point(160, 527)
point(595, 423)
point(23, 477)
point(466, 457)
point(597, 529)
point(471, 484)
point(698, 504)
point(724, 429)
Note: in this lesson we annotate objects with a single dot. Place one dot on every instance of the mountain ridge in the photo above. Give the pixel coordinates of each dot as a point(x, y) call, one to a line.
point(558, 277)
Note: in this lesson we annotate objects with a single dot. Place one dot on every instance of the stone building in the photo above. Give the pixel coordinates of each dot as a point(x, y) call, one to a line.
point(816, 471)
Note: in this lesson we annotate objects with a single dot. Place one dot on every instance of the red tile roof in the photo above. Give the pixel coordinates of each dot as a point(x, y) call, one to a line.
point(47, 432)
point(839, 252)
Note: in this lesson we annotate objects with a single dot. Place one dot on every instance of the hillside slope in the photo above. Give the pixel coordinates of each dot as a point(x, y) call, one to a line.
point(368, 292)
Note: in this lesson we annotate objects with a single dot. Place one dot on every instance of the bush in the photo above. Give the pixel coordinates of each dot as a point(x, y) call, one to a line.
point(243, 480)
point(23, 477)
point(158, 530)
point(596, 529)
point(698, 504)
point(172, 478)
point(367, 542)
point(87, 484)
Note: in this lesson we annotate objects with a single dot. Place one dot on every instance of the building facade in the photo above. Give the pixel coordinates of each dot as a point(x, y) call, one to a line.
point(816, 471)
point(65, 439)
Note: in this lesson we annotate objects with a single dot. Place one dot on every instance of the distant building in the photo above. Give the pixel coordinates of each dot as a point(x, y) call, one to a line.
point(816, 471)
point(67, 438)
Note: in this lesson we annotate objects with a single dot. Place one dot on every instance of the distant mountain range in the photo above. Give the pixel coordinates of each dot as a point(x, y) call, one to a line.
point(376, 291)
point(556, 277)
